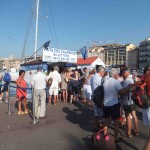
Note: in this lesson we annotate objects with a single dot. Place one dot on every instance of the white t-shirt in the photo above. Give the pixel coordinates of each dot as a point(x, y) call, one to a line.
point(39, 81)
point(127, 98)
point(111, 88)
point(56, 78)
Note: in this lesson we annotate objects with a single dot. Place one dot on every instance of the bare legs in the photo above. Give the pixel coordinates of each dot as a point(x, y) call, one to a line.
point(55, 99)
point(71, 98)
point(135, 121)
point(6, 95)
point(129, 124)
point(24, 101)
point(50, 99)
point(116, 127)
point(65, 96)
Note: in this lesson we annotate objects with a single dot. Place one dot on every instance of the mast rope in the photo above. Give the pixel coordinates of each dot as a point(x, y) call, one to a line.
point(28, 29)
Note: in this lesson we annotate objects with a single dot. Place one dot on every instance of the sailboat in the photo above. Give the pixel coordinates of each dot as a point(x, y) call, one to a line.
point(49, 55)
point(34, 61)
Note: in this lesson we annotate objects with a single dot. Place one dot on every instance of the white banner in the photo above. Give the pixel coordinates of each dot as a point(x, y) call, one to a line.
point(59, 55)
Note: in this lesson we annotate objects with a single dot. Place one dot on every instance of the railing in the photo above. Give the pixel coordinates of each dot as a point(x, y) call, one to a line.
point(32, 98)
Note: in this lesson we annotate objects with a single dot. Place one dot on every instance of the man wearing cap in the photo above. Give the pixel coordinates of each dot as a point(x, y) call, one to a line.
point(38, 82)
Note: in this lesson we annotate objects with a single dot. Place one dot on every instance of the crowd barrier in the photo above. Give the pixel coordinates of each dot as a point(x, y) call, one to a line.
point(32, 99)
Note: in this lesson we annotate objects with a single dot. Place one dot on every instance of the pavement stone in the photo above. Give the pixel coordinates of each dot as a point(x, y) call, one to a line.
point(67, 127)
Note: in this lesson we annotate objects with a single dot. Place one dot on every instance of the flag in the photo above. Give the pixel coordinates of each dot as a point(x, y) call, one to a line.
point(46, 45)
point(83, 52)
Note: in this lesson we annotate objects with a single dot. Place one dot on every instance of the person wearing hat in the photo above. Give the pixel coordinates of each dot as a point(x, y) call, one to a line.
point(6, 83)
point(38, 82)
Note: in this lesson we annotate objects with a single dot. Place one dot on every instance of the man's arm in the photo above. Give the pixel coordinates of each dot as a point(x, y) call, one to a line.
point(125, 90)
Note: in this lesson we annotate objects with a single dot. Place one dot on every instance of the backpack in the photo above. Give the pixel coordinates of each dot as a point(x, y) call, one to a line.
point(98, 96)
point(140, 95)
point(7, 77)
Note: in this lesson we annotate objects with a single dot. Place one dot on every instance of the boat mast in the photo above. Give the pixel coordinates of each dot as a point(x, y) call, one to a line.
point(36, 26)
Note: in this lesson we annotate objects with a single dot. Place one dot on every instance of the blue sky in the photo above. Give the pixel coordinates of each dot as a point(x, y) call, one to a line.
point(71, 24)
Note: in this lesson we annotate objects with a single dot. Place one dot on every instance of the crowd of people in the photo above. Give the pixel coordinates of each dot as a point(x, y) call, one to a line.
point(77, 86)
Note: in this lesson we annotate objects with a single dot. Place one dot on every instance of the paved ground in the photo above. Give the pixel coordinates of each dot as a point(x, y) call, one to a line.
point(67, 127)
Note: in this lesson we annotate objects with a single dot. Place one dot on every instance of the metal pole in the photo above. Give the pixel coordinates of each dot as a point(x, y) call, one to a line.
point(36, 27)
point(33, 108)
point(9, 112)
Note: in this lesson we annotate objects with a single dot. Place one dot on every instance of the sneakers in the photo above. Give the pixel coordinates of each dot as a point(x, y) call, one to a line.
point(6, 100)
point(0, 100)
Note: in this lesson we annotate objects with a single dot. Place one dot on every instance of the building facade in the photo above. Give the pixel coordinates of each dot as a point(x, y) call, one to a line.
point(132, 58)
point(90, 62)
point(111, 54)
point(9, 63)
point(144, 53)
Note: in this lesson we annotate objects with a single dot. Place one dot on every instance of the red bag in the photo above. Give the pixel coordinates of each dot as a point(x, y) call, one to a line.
point(141, 92)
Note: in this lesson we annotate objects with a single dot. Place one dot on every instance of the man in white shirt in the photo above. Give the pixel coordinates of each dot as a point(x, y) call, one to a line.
point(111, 104)
point(129, 107)
point(96, 81)
point(55, 77)
point(39, 84)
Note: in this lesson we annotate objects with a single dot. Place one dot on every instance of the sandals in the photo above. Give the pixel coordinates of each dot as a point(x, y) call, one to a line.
point(20, 113)
point(135, 133)
point(129, 135)
point(23, 112)
point(27, 111)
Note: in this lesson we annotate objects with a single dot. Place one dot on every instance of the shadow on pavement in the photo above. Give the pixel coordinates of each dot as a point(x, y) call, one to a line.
point(80, 116)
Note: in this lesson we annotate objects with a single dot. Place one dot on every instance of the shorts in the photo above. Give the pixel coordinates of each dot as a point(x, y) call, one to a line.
point(146, 117)
point(112, 111)
point(98, 111)
point(135, 107)
point(87, 92)
point(76, 90)
point(5, 88)
point(70, 92)
point(53, 91)
point(129, 108)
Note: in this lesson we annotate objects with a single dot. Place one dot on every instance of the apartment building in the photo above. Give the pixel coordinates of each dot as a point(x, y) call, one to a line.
point(111, 54)
point(144, 53)
point(10, 62)
point(132, 58)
